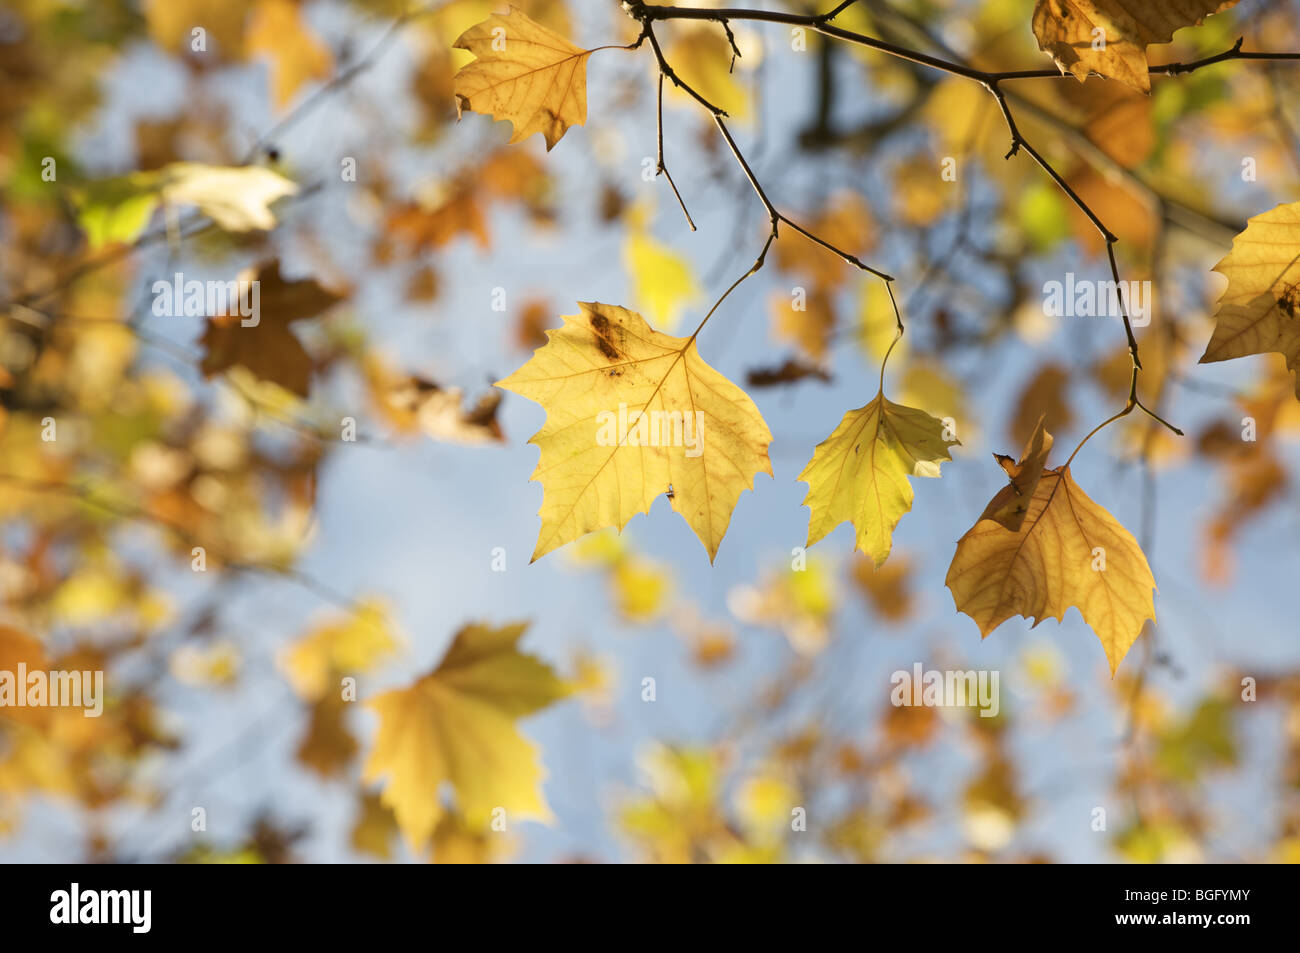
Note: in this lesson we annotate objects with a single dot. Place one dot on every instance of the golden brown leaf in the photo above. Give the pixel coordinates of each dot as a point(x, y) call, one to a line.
point(523, 72)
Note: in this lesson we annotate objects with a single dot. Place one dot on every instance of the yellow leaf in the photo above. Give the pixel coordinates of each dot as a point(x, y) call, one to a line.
point(800, 602)
point(1024, 475)
point(662, 281)
point(525, 73)
point(456, 725)
point(1068, 551)
point(172, 22)
point(631, 414)
point(349, 645)
point(328, 746)
point(1260, 311)
point(860, 471)
point(374, 828)
point(701, 55)
point(277, 29)
point(237, 198)
point(928, 383)
point(642, 587)
point(877, 326)
point(1110, 37)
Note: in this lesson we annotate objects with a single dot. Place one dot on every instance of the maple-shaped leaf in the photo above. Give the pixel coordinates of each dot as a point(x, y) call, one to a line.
point(525, 73)
point(1067, 551)
point(632, 413)
point(456, 725)
point(1260, 310)
point(860, 472)
point(1068, 31)
point(263, 342)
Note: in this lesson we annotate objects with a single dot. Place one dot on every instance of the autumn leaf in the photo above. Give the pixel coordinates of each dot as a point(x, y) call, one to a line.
point(859, 473)
point(19, 648)
point(268, 348)
point(525, 73)
point(411, 402)
point(117, 209)
point(631, 414)
point(1067, 31)
point(456, 725)
point(237, 198)
point(1260, 310)
point(374, 829)
point(1046, 395)
point(172, 22)
point(328, 746)
point(1024, 475)
point(1067, 551)
point(663, 282)
point(277, 29)
point(887, 589)
point(347, 645)
point(703, 57)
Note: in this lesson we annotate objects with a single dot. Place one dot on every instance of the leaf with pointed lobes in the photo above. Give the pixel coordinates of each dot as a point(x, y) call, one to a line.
point(262, 340)
point(523, 72)
point(1110, 37)
point(1066, 551)
point(860, 472)
point(632, 413)
point(456, 725)
point(1260, 310)
point(1024, 476)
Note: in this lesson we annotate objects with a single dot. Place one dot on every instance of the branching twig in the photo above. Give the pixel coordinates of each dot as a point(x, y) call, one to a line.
point(647, 14)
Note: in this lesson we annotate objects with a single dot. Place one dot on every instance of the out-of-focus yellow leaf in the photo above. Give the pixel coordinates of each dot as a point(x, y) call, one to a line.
point(172, 24)
point(798, 602)
point(277, 29)
point(375, 828)
point(701, 56)
point(456, 725)
point(663, 283)
point(877, 325)
point(353, 644)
